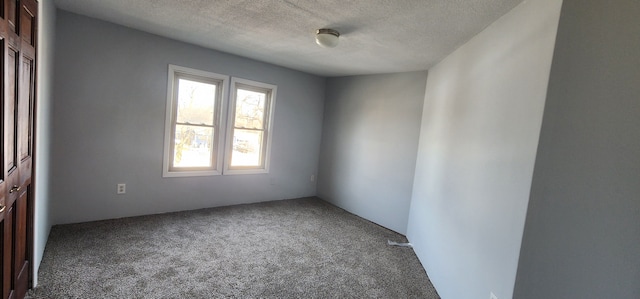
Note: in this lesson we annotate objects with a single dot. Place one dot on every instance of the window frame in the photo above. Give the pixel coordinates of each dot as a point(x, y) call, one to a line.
point(222, 81)
point(270, 102)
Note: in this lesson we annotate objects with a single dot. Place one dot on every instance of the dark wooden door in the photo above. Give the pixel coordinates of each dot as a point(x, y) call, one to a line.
point(18, 37)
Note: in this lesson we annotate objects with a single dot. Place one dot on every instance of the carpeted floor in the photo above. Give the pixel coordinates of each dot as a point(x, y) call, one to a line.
point(300, 248)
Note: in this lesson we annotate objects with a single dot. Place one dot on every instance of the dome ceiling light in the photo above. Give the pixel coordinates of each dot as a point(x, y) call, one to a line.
point(327, 38)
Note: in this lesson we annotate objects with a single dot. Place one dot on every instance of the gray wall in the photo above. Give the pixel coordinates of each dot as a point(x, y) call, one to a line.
point(480, 126)
point(369, 145)
point(46, 42)
point(582, 235)
point(109, 112)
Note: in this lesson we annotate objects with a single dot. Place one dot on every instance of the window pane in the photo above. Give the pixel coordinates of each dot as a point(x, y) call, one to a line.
point(196, 102)
point(250, 109)
point(192, 146)
point(247, 148)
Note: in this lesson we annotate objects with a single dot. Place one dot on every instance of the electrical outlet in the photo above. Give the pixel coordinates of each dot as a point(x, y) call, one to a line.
point(122, 188)
point(492, 296)
point(313, 178)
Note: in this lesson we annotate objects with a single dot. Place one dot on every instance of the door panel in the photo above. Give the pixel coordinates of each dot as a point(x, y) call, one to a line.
point(21, 260)
point(10, 144)
point(24, 110)
point(11, 7)
point(12, 178)
point(27, 23)
point(25, 119)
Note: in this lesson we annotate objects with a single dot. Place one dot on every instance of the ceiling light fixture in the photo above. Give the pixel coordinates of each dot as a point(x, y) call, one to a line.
point(327, 38)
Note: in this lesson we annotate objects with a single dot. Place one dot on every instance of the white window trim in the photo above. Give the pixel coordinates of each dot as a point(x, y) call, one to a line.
point(230, 125)
point(173, 69)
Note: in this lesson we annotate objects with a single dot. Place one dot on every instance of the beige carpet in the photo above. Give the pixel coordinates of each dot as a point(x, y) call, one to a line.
point(300, 248)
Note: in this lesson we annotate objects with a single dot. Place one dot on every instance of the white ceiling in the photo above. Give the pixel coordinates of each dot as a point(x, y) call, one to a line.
point(377, 36)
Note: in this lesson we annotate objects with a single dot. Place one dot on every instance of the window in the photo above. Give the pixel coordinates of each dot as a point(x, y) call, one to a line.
point(195, 126)
point(193, 123)
point(249, 126)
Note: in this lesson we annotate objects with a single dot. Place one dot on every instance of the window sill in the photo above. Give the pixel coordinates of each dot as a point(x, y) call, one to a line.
point(245, 171)
point(175, 174)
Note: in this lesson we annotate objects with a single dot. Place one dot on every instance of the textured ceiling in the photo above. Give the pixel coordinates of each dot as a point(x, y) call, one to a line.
point(377, 36)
